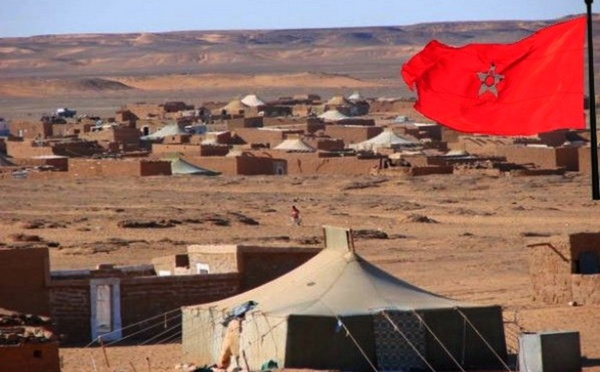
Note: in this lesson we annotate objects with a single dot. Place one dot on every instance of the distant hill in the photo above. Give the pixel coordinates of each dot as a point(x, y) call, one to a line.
point(371, 52)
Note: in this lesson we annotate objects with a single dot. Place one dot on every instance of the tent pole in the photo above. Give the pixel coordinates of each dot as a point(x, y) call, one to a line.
point(592, 102)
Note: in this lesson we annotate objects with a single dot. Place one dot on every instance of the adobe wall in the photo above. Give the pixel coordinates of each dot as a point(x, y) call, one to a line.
point(120, 134)
point(146, 297)
point(67, 129)
point(429, 170)
point(311, 163)
point(246, 122)
point(544, 157)
point(25, 149)
point(553, 266)
point(30, 357)
point(252, 166)
point(256, 265)
point(155, 168)
point(71, 309)
point(30, 130)
point(23, 280)
point(256, 136)
point(141, 298)
point(488, 146)
point(112, 167)
point(258, 268)
point(550, 272)
point(223, 165)
point(220, 258)
point(161, 149)
point(276, 121)
point(144, 111)
point(352, 134)
point(584, 159)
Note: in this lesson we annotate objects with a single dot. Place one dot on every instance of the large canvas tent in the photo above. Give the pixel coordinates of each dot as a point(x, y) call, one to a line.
point(338, 311)
point(385, 139)
point(167, 130)
point(180, 166)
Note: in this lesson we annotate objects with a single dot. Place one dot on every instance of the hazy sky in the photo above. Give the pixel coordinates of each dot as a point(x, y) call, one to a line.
point(41, 17)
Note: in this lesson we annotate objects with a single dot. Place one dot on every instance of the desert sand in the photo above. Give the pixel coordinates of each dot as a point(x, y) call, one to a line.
point(473, 249)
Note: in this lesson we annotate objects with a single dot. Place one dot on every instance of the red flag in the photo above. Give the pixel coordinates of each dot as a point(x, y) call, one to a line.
point(532, 86)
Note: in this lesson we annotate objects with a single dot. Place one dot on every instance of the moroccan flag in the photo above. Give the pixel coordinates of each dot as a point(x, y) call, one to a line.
point(531, 86)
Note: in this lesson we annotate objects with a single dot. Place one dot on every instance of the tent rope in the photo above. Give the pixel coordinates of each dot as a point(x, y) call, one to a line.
point(160, 334)
point(131, 325)
point(483, 339)
point(397, 329)
point(141, 331)
point(439, 341)
point(356, 344)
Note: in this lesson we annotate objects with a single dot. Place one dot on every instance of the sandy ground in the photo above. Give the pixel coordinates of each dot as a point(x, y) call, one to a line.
point(477, 250)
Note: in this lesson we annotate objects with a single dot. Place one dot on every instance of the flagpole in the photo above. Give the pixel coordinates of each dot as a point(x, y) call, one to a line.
point(592, 102)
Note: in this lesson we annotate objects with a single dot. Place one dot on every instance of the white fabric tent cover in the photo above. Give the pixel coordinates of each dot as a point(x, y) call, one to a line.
point(180, 166)
point(168, 130)
point(356, 96)
point(385, 139)
point(294, 145)
point(253, 100)
point(333, 115)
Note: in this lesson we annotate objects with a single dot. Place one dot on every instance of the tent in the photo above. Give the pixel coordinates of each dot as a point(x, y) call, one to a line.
point(180, 166)
point(338, 311)
point(252, 100)
point(333, 115)
point(385, 139)
point(294, 145)
point(167, 130)
point(337, 101)
point(234, 107)
point(356, 96)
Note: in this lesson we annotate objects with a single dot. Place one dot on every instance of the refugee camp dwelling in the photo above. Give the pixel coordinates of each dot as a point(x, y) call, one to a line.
point(333, 115)
point(340, 312)
point(386, 140)
point(27, 343)
point(294, 145)
point(180, 166)
point(566, 269)
point(235, 108)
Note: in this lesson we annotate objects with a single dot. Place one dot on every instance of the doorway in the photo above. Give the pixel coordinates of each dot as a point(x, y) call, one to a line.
point(105, 301)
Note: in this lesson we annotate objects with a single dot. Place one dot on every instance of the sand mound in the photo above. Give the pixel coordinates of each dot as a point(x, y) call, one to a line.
point(185, 82)
point(43, 87)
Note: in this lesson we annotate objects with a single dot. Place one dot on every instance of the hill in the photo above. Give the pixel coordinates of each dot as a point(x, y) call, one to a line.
point(180, 65)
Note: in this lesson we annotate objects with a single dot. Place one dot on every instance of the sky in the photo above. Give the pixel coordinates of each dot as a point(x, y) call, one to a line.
point(44, 17)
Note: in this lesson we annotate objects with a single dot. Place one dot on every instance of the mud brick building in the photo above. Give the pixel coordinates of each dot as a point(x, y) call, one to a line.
point(115, 302)
point(118, 168)
point(566, 269)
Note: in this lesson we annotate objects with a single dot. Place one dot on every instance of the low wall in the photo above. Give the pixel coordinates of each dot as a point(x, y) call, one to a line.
point(23, 280)
point(141, 298)
point(30, 357)
point(112, 167)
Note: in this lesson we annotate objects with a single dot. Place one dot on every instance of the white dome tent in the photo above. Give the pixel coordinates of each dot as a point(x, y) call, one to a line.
point(252, 100)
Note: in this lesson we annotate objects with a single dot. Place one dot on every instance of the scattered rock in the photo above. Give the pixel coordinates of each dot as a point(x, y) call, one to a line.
point(147, 224)
point(244, 219)
point(419, 218)
point(369, 234)
point(358, 185)
point(532, 234)
point(42, 224)
point(310, 240)
point(25, 238)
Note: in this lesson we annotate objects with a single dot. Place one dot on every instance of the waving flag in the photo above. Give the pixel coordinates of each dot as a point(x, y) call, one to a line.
point(531, 86)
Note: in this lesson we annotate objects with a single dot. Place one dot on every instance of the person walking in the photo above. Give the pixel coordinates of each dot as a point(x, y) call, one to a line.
point(296, 216)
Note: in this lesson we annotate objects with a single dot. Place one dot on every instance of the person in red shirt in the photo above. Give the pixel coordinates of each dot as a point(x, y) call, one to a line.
point(296, 216)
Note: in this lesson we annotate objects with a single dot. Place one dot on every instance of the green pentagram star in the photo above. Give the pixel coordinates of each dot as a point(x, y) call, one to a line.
point(489, 81)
